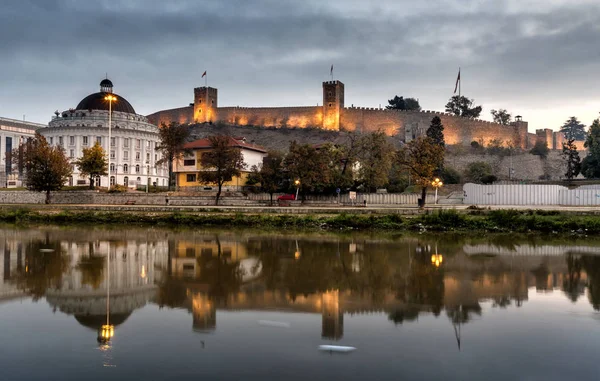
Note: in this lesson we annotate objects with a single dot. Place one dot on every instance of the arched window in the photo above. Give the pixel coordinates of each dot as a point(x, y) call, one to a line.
point(126, 181)
point(112, 180)
point(125, 168)
point(139, 180)
point(112, 168)
point(137, 168)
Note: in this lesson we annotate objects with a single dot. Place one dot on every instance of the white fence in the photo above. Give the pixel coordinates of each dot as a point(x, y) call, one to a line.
point(372, 198)
point(475, 194)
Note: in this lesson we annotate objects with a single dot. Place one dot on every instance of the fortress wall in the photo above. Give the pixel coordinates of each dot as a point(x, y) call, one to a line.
point(179, 115)
point(301, 117)
point(365, 119)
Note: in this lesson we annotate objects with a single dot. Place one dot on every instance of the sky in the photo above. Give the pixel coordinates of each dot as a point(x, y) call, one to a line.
point(535, 58)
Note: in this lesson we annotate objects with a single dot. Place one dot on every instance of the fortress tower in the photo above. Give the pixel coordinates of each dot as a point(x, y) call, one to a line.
point(333, 104)
point(205, 104)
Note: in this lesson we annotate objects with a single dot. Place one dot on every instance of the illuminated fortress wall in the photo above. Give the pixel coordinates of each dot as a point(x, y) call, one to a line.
point(333, 115)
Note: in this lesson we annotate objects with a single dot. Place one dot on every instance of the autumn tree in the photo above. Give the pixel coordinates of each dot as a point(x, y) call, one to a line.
point(462, 106)
point(93, 163)
point(401, 103)
point(269, 174)
point(422, 157)
point(375, 160)
point(304, 163)
point(571, 158)
point(46, 167)
point(436, 131)
point(173, 137)
point(573, 129)
point(590, 165)
point(339, 160)
point(221, 163)
point(501, 116)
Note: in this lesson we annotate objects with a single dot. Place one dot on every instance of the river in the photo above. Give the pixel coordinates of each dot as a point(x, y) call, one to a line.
point(231, 305)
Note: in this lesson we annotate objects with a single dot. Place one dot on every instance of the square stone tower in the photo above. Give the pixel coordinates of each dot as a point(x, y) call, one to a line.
point(205, 105)
point(333, 104)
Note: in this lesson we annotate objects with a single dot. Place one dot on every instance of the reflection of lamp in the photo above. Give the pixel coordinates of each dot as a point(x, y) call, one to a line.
point(297, 252)
point(143, 273)
point(107, 331)
point(437, 259)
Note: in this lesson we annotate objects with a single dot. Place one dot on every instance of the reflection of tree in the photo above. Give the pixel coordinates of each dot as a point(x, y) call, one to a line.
point(591, 264)
point(572, 280)
point(423, 285)
point(222, 276)
point(399, 316)
point(45, 264)
point(501, 301)
point(92, 269)
point(172, 293)
point(541, 276)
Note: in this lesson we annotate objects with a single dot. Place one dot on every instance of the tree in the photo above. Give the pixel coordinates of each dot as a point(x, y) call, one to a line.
point(222, 163)
point(573, 129)
point(401, 103)
point(463, 106)
point(571, 158)
point(305, 164)
point(478, 171)
point(590, 166)
point(422, 157)
point(172, 140)
point(270, 174)
point(93, 163)
point(46, 167)
point(375, 160)
point(501, 116)
point(436, 131)
point(540, 149)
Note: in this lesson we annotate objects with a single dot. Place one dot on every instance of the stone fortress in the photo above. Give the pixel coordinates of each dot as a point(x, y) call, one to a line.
point(335, 116)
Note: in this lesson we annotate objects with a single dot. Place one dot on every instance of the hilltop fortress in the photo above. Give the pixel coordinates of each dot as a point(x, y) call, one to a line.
point(334, 115)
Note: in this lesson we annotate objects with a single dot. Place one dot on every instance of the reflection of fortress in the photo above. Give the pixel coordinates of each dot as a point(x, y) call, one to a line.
point(334, 115)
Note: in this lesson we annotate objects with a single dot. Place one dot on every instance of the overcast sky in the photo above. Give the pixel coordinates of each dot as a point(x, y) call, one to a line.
point(536, 58)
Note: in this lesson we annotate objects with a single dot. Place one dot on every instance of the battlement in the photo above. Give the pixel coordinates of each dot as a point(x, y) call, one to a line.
point(336, 82)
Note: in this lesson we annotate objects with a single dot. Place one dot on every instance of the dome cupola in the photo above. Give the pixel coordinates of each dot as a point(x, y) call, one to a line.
point(106, 86)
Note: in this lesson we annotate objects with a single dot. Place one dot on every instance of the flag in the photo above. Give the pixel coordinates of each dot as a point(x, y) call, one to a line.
point(457, 81)
point(331, 71)
point(203, 74)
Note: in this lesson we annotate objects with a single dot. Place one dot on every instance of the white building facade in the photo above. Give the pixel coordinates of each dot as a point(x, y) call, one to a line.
point(132, 146)
point(13, 133)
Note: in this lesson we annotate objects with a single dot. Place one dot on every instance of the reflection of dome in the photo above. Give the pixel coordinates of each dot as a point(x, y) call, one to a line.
point(96, 321)
point(96, 101)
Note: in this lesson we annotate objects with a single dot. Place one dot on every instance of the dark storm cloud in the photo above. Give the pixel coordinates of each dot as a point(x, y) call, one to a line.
point(522, 55)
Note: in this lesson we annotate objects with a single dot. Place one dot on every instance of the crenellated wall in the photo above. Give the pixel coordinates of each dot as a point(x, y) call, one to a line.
point(332, 115)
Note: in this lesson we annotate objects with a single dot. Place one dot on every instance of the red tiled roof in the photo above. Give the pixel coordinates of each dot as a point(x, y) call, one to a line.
point(233, 142)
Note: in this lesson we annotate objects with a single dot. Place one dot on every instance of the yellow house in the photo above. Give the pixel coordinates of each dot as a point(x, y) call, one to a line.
point(188, 168)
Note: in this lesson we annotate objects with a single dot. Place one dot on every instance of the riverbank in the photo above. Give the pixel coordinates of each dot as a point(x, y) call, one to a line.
point(448, 220)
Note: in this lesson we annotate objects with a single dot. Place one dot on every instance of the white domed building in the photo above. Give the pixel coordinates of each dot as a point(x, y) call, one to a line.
point(132, 150)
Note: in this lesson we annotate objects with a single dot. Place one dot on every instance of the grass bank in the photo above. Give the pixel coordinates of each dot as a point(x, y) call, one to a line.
point(444, 220)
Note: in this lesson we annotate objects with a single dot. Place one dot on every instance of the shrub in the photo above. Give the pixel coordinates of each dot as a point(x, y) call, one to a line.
point(117, 189)
point(496, 147)
point(540, 149)
point(475, 145)
point(488, 179)
point(450, 175)
point(477, 170)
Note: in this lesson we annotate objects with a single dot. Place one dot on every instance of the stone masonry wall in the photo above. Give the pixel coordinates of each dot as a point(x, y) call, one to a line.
point(301, 117)
point(179, 115)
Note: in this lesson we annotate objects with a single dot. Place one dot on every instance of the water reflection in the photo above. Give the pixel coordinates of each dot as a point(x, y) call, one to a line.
point(336, 277)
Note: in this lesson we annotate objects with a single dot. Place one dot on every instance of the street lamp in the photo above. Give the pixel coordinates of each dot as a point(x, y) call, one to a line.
point(297, 183)
point(110, 98)
point(436, 184)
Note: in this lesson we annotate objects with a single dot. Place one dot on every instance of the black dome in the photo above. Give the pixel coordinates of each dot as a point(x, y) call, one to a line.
point(106, 83)
point(96, 101)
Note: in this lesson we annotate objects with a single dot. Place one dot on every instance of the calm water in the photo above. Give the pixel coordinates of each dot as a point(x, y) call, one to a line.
point(221, 305)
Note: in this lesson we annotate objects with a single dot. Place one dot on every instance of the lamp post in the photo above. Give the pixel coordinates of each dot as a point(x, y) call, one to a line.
point(436, 184)
point(297, 183)
point(147, 177)
point(110, 98)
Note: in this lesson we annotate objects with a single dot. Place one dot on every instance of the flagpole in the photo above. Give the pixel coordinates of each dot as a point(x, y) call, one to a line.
point(459, 82)
point(206, 85)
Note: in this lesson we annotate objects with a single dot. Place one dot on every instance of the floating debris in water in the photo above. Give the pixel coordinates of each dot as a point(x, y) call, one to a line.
point(336, 348)
point(276, 324)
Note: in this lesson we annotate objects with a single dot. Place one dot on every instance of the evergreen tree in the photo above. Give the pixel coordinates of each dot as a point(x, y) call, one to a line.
point(93, 163)
point(571, 158)
point(590, 166)
point(401, 103)
point(436, 131)
point(463, 106)
point(573, 129)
